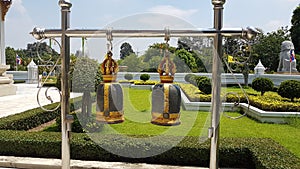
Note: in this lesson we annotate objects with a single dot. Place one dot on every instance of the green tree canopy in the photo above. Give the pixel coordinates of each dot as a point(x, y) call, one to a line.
point(10, 57)
point(126, 50)
point(38, 52)
point(152, 52)
point(267, 47)
point(295, 29)
point(184, 61)
point(84, 74)
point(133, 63)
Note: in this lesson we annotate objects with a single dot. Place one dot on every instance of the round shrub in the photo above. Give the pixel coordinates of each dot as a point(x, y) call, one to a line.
point(189, 77)
point(289, 89)
point(262, 85)
point(204, 84)
point(128, 76)
point(83, 76)
point(145, 77)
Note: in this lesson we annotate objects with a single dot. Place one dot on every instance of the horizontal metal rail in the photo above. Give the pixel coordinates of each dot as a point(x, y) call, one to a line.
point(102, 33)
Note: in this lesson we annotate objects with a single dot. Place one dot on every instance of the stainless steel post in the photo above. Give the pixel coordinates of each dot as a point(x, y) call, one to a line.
point(216, 84)
point(65, 84)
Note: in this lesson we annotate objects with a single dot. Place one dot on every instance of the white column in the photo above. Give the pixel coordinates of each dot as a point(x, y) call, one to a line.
point(2, 43)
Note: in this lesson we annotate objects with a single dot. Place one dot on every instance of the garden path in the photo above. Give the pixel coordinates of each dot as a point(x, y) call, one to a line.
point(26, 99)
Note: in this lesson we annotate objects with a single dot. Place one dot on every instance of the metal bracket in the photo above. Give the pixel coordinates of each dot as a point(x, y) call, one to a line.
point(167, 34)
point(210, 132)
point(109, 38)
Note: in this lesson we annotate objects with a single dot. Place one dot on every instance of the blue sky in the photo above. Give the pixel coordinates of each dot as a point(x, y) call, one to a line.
point(24, 15)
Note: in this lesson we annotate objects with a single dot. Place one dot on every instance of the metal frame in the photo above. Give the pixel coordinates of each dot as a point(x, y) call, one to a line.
point(102, 33)
point(65, 34)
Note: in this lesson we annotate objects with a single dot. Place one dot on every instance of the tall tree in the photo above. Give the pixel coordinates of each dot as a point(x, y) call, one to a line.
point(126, 50)
point(10, 57)
point(267, 47)
point(189, 62)
point(133, 63)
point(151, 52)
point(200, 49)
point(295, 29)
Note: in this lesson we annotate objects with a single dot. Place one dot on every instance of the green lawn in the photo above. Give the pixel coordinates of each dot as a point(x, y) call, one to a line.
point(137, 108)
point(138, 116)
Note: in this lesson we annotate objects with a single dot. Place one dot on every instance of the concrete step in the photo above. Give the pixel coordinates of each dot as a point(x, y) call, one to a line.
point(42, 163)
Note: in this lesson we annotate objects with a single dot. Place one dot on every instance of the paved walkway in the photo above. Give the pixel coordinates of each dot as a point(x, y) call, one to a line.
point(26, 99)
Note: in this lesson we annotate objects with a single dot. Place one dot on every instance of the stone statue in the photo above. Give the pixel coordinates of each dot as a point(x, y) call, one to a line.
point(287, 60)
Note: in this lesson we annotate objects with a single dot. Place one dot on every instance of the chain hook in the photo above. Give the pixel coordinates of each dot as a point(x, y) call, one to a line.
point(167, 35)
point(109, 38)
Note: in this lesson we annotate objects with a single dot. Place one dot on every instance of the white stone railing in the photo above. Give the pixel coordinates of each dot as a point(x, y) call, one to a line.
point(253, 112)
point(227, 78)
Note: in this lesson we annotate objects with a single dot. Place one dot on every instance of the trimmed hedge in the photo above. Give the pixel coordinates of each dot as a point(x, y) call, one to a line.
point(270, 101)
point(29, 119)
point(234, 152)
point(37, 116)
point(148, 82)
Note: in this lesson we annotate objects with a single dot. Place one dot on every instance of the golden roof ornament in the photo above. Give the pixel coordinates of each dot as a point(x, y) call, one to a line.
point(5, 5)
point(166, 69)
point(109, 68)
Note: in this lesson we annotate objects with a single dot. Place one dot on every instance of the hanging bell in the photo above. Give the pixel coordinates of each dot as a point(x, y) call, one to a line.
point(166, 97)
point(109, 94)
point(110, 103)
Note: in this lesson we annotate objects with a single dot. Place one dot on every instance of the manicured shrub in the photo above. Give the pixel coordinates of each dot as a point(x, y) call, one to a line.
point(271, 101)
point(145, 77)
point(84, 74)
point(37, 116)
point(82, 125)
point(149, 82)
point(257, 153)
point(204, 84)
point(262, 85)
point(189, 77)
point(289, 89)
point(128, 76)
point(29, 119)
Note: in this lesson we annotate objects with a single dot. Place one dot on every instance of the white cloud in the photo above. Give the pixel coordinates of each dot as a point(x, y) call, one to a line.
point(171, 10)
point(18, 25)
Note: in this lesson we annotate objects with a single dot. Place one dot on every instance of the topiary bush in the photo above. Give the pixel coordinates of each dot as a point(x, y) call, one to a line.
point(289, 89)
point(145, 77)
point(262, 85)
point(189, 77)
point(128, 76)
point(84, 74)
point(204, 84)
